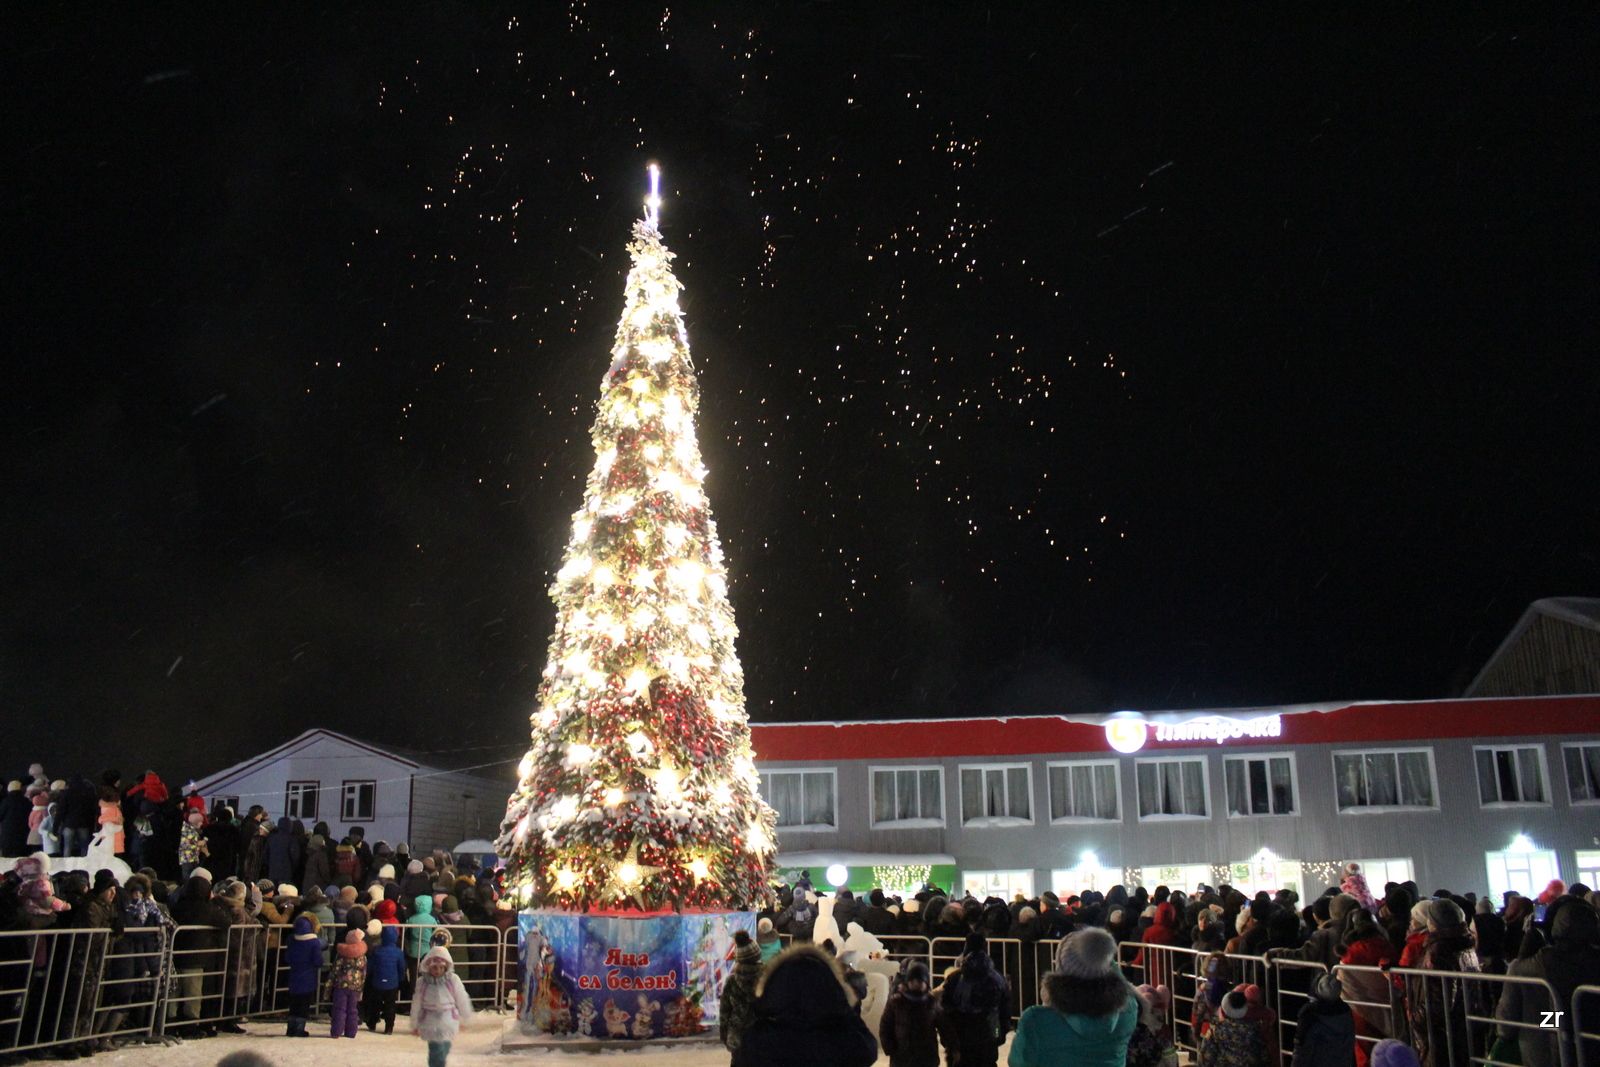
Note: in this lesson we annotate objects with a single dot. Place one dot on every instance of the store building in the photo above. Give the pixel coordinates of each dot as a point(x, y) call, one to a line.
point(1483, 794)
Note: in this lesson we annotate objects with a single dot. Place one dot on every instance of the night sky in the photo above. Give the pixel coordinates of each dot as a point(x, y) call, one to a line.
point(1048, 364)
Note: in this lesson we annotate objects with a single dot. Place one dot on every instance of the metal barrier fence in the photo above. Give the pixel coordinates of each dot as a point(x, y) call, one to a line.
point(70, 987)
point(1586, 1025)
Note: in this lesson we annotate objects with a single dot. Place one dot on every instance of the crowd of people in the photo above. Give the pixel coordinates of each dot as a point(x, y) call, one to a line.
point(372, 924)
point(832, 999)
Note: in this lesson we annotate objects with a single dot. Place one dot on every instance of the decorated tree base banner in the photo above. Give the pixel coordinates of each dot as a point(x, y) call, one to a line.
point(625, 977)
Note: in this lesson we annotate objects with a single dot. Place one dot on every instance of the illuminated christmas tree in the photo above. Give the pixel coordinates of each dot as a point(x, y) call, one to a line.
point(639, 790)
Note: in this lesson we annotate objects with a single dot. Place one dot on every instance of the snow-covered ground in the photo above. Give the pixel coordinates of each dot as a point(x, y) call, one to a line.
point(478, 1039)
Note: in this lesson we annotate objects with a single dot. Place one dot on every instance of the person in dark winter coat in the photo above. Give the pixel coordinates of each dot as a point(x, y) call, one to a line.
point(876, 918)
point(974, 1012)
point(318, 871)
point(222, 844)
point(1324, 944)
point(799, 919)
point(283, 853)
point(1571, 959)
point(14, 810)
point(1438, 1009)
point(304, 959)
point(907, 1032)
point(1490, 931)
point(1325, 1031)
point(736, 1009)
point(386, 974)
point(805, 1016)
point(1089, 1011)
point(416, 883)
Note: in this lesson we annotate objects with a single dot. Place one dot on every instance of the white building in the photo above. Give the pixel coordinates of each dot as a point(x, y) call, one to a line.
point(323, 776)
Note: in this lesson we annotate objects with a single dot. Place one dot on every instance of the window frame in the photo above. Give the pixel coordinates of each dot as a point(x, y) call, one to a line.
point(1205, 779)
point(921, 822)
point(1384, 809)
point(1082, 820)
point(316, 792)
point(997, 822)
point(1544, 771)
point(1294, 783)
point(344, 794)
point(1567, 775)
point(808, 827)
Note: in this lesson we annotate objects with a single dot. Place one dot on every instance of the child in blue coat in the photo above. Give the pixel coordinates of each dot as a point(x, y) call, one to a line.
point(304, 957)
point(386, 973)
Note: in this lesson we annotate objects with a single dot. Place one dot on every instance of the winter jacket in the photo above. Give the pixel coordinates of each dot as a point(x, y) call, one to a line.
point(111, 817)
point(798, 920)
point(876, 920)
point(304, 957)
point(318, 871)
point(1162, 931)
point(907, 1032)
point(149, 790)
point(804, 1017)
point(439, 1005)
point(189, 842)
point(350, 965)
point(14, 810)
point(1086, 1022)
point(413, 886)
point(80, 805)
point(346, 868)
point(283, 853)
point(386, 965)
point(974, 1011)
point(736, 1009)
point(1247, 1042)
point(1361, 989)
point(1438, 1009)
point(419, 928)
point(1569, 962)
point(1325, 1035)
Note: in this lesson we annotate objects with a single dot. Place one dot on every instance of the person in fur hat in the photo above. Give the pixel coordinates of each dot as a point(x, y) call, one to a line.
point(1088, 1010)
point(736, 1009)
point(1244, 1033)
point(805, 1016)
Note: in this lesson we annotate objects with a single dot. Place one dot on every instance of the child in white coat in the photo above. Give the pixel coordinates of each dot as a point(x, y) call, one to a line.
point(440, 1004)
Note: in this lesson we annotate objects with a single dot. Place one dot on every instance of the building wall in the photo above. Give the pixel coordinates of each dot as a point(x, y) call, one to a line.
point(330, 763)
point(1447, 846)
point(1551, 656)
point(450, 808)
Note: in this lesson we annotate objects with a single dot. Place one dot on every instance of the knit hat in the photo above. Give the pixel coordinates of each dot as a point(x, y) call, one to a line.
point(14, 787)
point(58, 785)
point(1392, 1053)
point(449, 904)
point(414, 867)
point(744, 949)
point(103, 880)
point(376, 892)
point(386, 872)
point(1090, 953)
point(285, 891)
point(356, 935)
point(976, 943)
point(875, 898)
point(348, 894)
point(201, 872)
point(1235, 1004)
point(1444, 913)
point(234, 891)
point(374, 928)
point(1326, 987)
point(914, 971)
